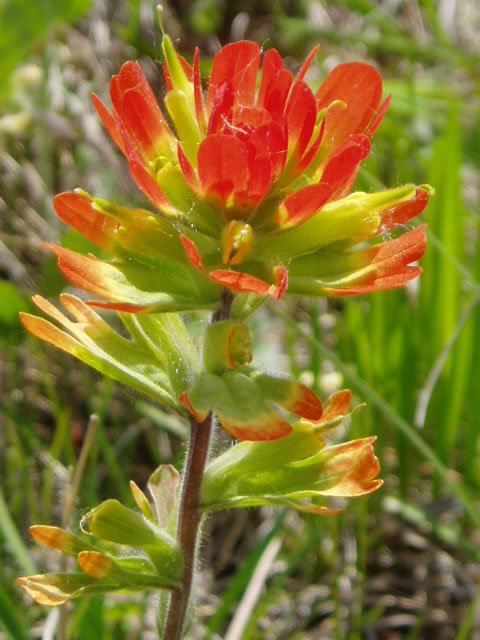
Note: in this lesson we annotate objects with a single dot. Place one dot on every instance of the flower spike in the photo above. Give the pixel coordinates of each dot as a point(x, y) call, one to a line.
point(255, 176)
point(249, 190)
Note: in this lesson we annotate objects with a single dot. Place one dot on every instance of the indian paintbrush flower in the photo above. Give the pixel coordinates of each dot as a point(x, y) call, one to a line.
point(250, 185)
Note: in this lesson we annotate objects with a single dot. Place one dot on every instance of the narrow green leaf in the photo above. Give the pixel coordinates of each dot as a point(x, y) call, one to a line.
point(13, 539)
point(11, 619)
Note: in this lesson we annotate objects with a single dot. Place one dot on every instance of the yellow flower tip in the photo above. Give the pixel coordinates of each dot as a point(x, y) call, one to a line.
point(52, 537)
point(228, 345)
point(429, 189)
point(141, 500)
point(180, 82)
point(82, 192)
point(94, 563)
point(239, 347)
point(281, 216)
point(237, 241)
point(43, 593)
point(341, 104)
point(135, 490)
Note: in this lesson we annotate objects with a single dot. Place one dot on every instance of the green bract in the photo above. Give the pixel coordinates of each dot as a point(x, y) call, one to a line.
point(294, 471)
point(245, 400)
point(159, 359)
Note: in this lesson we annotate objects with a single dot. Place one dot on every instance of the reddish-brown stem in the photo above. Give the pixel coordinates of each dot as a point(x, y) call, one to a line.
point(189, 513)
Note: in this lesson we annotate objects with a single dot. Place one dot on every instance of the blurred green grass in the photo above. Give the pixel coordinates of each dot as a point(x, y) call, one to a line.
point(411, 355)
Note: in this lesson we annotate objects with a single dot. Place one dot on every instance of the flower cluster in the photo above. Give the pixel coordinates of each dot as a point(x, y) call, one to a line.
point(251, 184)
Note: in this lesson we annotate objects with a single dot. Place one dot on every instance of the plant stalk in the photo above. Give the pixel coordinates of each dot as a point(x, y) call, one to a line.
point(190, 516)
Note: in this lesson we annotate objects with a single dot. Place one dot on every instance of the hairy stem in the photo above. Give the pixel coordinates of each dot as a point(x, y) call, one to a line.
point(190, 516)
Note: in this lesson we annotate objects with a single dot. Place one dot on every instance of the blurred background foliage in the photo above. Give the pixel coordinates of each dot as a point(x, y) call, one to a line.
point(402, 564)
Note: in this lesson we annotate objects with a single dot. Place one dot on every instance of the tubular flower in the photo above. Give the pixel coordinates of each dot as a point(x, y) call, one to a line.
point(250, 181)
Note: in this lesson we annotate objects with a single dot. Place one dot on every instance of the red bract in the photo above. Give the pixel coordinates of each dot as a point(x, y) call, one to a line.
point(250, 182)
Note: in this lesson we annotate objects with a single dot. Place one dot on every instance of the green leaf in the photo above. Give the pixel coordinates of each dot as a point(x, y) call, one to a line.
point(12, 537)
point(93, 341)
point(167, 338)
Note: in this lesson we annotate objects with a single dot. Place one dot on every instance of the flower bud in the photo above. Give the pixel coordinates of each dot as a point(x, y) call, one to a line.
point(114, 522)
point(228, 345)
